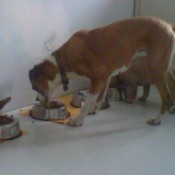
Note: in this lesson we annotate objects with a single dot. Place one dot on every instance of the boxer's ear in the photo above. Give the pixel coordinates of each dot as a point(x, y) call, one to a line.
point(49, 69)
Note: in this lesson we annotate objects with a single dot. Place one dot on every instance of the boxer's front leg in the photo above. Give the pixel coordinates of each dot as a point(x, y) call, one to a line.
point(101, 98)
point(90, 103)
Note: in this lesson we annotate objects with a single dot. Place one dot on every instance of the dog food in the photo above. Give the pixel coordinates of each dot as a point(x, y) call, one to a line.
point(9, 128)
point(54, 105)
point(54, 111)
point(4, 120)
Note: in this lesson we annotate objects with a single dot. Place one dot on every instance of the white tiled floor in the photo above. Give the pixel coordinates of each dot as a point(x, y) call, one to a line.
point(116, 141)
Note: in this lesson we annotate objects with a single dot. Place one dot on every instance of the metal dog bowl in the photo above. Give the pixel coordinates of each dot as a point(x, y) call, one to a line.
point(78, 99)
point(55, 111)
point(9, 128)
point(113, 94)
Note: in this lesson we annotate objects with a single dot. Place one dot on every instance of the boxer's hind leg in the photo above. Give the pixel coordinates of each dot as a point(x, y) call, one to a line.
point(159, 59)
point(166, 99)
point(101, 98)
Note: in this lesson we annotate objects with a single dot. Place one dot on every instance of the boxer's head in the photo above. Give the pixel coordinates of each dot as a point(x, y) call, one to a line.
point(40, 76)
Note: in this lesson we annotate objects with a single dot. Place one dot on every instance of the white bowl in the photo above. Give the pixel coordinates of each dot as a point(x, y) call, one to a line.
point(58, 111)
point(9, 128)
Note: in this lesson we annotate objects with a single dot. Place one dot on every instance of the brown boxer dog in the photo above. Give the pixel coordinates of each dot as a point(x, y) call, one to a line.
point(104, 52)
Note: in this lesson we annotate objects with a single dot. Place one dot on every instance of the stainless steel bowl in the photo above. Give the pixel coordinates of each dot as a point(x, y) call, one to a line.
point(78, 99)
point(113, 94)
point(9, 129)
point(57, 112)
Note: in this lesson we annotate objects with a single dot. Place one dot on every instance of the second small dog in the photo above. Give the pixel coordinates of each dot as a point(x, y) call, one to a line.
point(127, 82)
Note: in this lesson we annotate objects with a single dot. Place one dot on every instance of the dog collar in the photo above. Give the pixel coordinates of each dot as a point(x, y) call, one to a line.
point(62, 72)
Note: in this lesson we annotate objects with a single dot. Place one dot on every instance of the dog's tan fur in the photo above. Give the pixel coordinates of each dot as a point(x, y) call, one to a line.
point(100, 54)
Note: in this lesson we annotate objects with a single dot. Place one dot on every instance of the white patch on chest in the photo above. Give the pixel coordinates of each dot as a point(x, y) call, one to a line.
point(119, 70)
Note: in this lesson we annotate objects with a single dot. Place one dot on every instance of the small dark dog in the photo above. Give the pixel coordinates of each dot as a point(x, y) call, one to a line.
point(127, 83)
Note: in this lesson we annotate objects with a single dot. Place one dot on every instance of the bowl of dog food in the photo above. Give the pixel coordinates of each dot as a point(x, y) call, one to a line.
point(78, 99)
point(9, 128)
point(54, 111)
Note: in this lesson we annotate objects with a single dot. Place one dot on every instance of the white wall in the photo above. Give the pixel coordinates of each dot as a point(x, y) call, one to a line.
point(26, 26)
point(164, 9)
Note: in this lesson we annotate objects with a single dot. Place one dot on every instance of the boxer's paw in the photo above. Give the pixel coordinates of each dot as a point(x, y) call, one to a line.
point(105, 105)
point(154, 122)
point(75, 122)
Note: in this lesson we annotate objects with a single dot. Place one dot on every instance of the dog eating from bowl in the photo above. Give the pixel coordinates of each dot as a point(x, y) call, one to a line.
point(104, 52)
